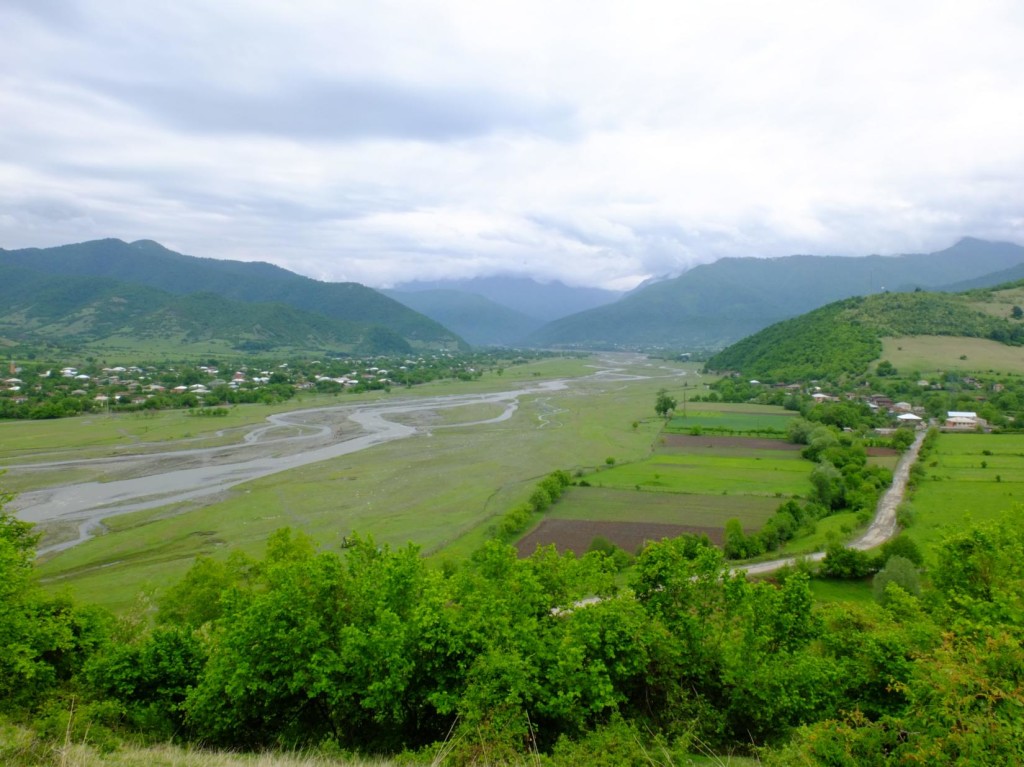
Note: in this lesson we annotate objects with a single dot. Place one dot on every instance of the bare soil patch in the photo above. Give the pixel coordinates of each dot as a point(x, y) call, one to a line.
point(576, 534)
point(751, 443)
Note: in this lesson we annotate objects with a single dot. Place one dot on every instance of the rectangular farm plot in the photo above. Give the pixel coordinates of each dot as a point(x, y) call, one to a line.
point(706, 511)
point(731, 419)
point(687, 443)
point(629, 519)
point(778, 473)
point(576, 535)
point(969, 478)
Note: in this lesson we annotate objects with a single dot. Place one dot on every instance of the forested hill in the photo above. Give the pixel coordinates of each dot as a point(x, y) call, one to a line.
point(149, 263)
point(78, 311)
point(844, 337)
point(716, 304)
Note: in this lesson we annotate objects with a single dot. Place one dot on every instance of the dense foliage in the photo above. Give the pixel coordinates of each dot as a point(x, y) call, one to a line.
point(374, 650)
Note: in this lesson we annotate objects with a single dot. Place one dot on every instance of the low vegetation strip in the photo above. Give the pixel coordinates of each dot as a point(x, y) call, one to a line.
point(710, 441)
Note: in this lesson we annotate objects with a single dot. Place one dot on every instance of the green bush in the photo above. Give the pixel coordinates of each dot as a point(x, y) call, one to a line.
point(898, 572)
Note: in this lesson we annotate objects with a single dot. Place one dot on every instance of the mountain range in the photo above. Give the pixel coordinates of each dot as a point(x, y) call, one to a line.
point(91, 291)
point(713, 305)
point(707, 307)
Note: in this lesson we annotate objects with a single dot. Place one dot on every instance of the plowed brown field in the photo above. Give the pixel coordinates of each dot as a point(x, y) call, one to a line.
point(576, 534)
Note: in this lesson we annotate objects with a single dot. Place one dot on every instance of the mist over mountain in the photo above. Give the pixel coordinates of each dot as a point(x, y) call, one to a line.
point(544, 301)
point(477, 319)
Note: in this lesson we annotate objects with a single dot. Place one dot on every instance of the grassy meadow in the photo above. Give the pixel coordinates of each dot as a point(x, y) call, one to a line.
point(442, 489)
point(968, 478)
point(776, 475)
point(720, 416)
point(931, 354)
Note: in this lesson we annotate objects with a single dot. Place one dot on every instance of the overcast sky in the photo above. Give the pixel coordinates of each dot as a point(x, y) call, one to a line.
point(598, 143)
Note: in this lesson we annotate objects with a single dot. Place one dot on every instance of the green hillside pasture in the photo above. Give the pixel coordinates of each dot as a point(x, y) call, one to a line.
point(714, 416)
point(930, 354)
point(958, 491)
point(445, 491)
point(777, 474)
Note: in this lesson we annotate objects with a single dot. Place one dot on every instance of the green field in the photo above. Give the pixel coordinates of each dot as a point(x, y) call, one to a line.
point(842, 591)
point(443, 489)
point(608, 505)
point(959, 491)
point(781, 473)
point(931, 354)
point(729, 417)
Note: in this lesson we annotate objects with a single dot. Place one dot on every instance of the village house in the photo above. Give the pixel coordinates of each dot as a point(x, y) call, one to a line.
point(911, 420)
point(880, 402)
point(963, 420)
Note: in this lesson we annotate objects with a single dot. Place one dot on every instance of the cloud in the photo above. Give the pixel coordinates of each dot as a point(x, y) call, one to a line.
point(592, 143)
point(328, 111)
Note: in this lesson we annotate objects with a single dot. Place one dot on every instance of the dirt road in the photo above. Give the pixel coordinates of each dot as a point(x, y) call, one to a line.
point(882, 527)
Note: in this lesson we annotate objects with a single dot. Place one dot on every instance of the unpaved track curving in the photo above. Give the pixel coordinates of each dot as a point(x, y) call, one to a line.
point(882, 527)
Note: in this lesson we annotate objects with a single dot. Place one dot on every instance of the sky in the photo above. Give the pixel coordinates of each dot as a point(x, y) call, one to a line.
point(596, 142)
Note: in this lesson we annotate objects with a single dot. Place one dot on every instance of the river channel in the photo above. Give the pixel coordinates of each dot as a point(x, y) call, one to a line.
point(147, 479)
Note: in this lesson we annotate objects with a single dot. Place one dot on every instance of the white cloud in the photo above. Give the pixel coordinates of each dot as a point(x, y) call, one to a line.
point(598, 143)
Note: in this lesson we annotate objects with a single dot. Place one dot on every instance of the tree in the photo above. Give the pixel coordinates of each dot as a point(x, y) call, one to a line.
point(844, 563)
point(898, 571)
point(828, 485)
point(43, 640)
point(885, 368)
point(1017, 313)
point(664, 404)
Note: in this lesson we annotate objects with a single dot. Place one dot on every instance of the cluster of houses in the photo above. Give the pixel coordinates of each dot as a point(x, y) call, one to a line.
point(123, 384)
point(370, 375)
point(906, 414)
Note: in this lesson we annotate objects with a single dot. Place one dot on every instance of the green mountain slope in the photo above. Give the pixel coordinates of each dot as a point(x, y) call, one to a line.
point(81, 311)
point(718, 303)
point(475, 318)
point(844, 337)
point(148, 263)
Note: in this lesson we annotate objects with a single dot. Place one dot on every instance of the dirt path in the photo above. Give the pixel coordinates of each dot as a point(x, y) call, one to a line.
point(882, 527)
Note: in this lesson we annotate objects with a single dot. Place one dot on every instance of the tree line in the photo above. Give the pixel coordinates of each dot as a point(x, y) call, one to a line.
point(373, 649)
